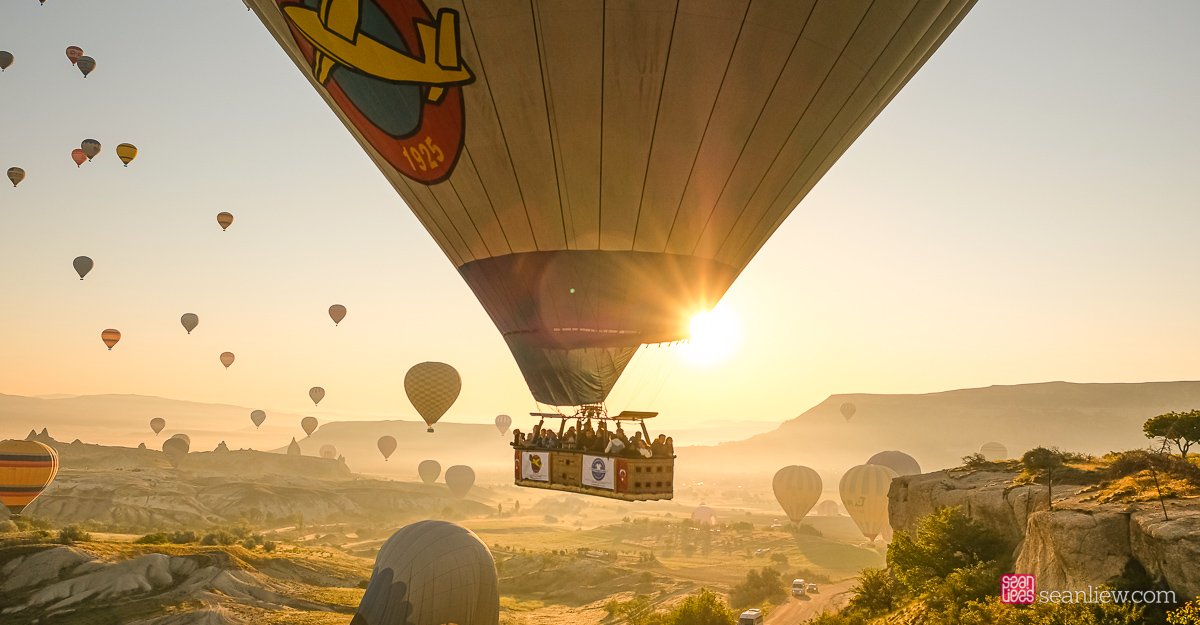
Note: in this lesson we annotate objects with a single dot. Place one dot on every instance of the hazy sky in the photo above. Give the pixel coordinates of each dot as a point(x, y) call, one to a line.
point(1025, 210)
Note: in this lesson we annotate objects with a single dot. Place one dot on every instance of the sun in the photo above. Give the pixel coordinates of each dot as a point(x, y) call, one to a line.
point(715, 335)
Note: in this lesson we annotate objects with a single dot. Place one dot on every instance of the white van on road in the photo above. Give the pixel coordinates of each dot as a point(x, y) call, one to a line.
point(752, 616)
point(798, 587)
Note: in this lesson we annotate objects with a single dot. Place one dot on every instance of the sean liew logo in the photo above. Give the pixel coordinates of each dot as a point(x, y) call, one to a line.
point(535, 463)
point(598, 469)
point(1018, 589)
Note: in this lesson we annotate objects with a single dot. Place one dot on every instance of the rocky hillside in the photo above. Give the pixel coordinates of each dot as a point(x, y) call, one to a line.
point(1080, 542)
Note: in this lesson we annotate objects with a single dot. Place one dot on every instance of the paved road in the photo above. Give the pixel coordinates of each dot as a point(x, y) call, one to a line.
point(796, 611)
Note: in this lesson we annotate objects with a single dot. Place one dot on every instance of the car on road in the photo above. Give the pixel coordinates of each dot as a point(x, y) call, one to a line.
point(799, 587)
point(753, 616)
point(812, 588)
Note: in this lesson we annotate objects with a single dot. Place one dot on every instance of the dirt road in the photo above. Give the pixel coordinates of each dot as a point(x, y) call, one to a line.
point(796, 611)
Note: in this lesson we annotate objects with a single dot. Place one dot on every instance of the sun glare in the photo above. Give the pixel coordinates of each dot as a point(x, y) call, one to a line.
point(714, 337)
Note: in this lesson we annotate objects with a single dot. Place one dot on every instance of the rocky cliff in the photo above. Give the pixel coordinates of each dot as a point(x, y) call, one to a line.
point(1079, 543)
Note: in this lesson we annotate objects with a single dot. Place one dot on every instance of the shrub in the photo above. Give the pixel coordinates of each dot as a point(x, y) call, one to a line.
point(758, 587)
point(876, 593)
point(269, 546)
point(941, 543)
point(158, 538)
point(220, 537)
point(72, 534)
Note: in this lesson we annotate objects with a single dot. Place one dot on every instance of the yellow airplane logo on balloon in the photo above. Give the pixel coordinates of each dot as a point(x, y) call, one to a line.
point(333, 30)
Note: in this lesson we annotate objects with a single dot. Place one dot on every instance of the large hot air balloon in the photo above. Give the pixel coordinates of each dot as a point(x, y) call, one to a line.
point(898, 461)
point(337, 312)
point(227, 359)
point(503, 422)
point(16, 175)
point(224, 220)
point(994, 451)
point(432, 388)
point(293, 448)
point(176, 448)
point(90, 147)
point(82, 265)
point(309, 424)
point(79, 157)
point(864, 491)
point(110, 337)
point(127, 152)
point(797, 489)
point(459, 479)
point(86, 65)
point(316, 394)
point(157, 424)
point(74, 53)
point(6, 60)
point(26, 469)
point(848, 409)
point(387, 445)
point(189, 321)
point(428, 573)
point(429, 470)
point(328, 452)
point(257, 417)
point(598, 175)
point(828, 508)
point(704, 515)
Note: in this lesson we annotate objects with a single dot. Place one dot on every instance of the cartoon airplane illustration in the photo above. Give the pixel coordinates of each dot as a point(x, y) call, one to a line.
point(333, 29)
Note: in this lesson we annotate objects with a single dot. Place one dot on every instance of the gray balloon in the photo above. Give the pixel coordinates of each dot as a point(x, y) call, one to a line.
point(82, 265)
point(898, 461)
point(429, 470)
point(190, 321)
point(176, 448)
point(430, 573)
point(459, 479)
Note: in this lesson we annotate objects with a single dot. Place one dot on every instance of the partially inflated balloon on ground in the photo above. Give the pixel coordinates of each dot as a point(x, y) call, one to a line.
point(703, 515)
point(796, 489)
point(387, 446)
point(110, 337)
point(460, 479)
point(82, 265)
point(430, 573)
point(432, 387)
point(309, 424)
point(176, 448)
point(828, 508)
point(337, 312)
point(864, 491)
point(329, 452)
point(429, 470)
point(994, 452)
point(183, 437)
point(16, 175)
point(316, 394)
point(257, 417)
point(157, 424)
point(189, 321)
point(26, 469)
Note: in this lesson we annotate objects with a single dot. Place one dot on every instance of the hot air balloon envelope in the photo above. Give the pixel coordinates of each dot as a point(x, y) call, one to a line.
point(176, 448)
point(610, 171)
point(309, 424)
point(848, 409)
point(90, 147)
point(337, 312)
point(704, 515)
point(227, 359)
point(503, 422)
point(387, 445)
point(460, 479)
point(994, 451)
point(797, 489)
point(78, 156)
point(189, 321)
point(432, 388)
point(74, 53)
point(110, 337)
point(157, 424)
point(224, 220)
point(329, 452)
point(6, 60)
point(898, 461)
point(864, 491)
point(86, 65)
point(82, 265)
point(257, 417)
point(16, 175)
point(26, 469)
point(316, 394)
point(127, 152)
point(429, 470)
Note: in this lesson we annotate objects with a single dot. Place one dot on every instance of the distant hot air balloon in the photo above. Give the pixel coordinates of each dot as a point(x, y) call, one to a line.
point(316, 394)
point(864, 491)
point(503, 422)
point(176, 448)
point(898, 461)
point(337, 312)
point(257, 417)
point(127, 152)
point(432, 388)
point(110, 337)
point(797, 489)
point(74, 53)
point(79, 157)
point(6, 60)
point(309, 424)
point(429, 470)
point(16, 175)
point(224, 220)
point(704, 515)
point(90, 147)
point(86, 65)
point(293, 448)
point(459, 479)
point(848, 409)
point(157, 424)
point(227, 359)
point(612, 190)
point(828, 508)
point(187, 439)
point(189, 321)
point(82, 265)
point(994, 452)
point(26, 469)
point(329, 452)
point(432, 572)
point(387, 445)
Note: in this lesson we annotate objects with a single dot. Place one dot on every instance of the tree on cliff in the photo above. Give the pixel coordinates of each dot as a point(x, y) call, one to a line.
point(1179, 428)
point(1042, 461)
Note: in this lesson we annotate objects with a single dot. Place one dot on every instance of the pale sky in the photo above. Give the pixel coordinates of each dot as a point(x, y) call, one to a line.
point(1025, 210)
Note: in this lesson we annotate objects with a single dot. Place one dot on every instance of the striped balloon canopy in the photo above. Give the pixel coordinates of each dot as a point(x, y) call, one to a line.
point(797, 489)
point(26, 469)
point(432, 387)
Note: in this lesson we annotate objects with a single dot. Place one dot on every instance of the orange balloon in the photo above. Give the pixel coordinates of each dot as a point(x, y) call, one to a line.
point(110, 337)
point(224, 220)
point(79, 157)
point(227, 359)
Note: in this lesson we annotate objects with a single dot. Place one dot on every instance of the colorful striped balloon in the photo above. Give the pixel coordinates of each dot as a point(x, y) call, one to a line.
point(26, 469)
